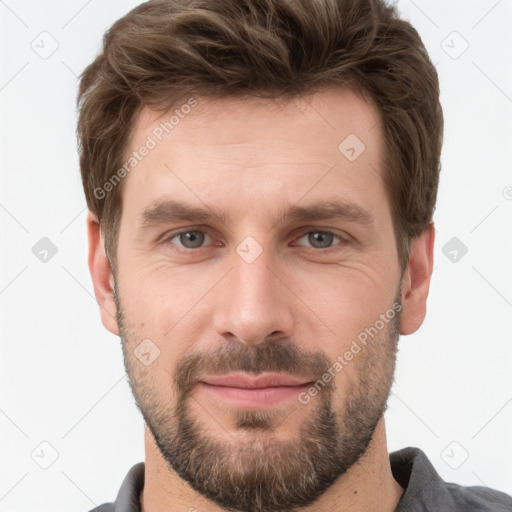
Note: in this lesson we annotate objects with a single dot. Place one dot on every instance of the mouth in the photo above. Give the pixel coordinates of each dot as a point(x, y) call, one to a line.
point(243, 390)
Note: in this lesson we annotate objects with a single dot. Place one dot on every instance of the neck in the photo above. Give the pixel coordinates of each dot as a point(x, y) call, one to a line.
point(367, 485)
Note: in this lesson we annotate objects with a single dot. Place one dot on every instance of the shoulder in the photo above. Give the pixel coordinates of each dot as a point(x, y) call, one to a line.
point(426, 490)
point(478, 498)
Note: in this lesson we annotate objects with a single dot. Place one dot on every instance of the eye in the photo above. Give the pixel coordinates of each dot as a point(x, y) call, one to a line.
point(321, 239)
point(189, 239)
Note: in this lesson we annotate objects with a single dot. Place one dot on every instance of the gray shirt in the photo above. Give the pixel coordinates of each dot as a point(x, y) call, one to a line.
point(425, 491)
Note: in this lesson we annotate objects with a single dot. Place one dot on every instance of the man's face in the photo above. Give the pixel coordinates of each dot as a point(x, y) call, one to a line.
point(259, 291)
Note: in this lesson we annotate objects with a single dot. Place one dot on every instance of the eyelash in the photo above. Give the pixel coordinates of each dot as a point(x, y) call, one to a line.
point(167, 240)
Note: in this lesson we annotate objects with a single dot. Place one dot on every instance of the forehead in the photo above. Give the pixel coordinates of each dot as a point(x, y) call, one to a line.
point(235, 150)
point(238, 119)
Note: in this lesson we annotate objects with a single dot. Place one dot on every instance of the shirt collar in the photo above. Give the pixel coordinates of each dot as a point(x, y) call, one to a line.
point(128, 496)
point(416, 474)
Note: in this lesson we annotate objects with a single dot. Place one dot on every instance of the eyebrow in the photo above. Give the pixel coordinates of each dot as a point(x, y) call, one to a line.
point(168, 211)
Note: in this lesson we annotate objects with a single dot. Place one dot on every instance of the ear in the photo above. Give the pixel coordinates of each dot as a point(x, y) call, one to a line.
point(101, 273)
point(416, 281)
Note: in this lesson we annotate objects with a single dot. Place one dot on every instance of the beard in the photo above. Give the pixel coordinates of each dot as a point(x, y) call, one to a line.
point(255, 470)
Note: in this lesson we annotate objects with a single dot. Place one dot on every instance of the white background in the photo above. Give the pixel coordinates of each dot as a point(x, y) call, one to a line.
point(62, 378)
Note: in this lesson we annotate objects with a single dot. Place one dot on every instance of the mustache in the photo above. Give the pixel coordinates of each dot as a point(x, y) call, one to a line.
point(233, 356)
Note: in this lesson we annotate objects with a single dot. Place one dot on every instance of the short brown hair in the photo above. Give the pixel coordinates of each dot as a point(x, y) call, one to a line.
point(164, 50)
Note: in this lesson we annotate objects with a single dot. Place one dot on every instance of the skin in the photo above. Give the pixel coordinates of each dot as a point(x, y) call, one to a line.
point(295, 308)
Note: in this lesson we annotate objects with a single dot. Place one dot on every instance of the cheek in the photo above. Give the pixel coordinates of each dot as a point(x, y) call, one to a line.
point(348, 301)
point(169, 307)
point(344, 295)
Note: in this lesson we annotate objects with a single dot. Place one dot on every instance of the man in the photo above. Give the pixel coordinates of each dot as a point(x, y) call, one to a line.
point(261, 177)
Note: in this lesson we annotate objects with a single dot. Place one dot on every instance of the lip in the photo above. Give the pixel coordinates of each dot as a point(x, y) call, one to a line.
point(243, 380)
point(242, 390)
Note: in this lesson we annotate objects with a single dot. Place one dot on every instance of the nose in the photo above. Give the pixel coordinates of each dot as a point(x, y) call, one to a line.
point(254, 303)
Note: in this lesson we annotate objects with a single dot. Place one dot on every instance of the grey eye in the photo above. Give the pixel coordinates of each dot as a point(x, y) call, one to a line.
point(191, 239)
point(320, 239)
